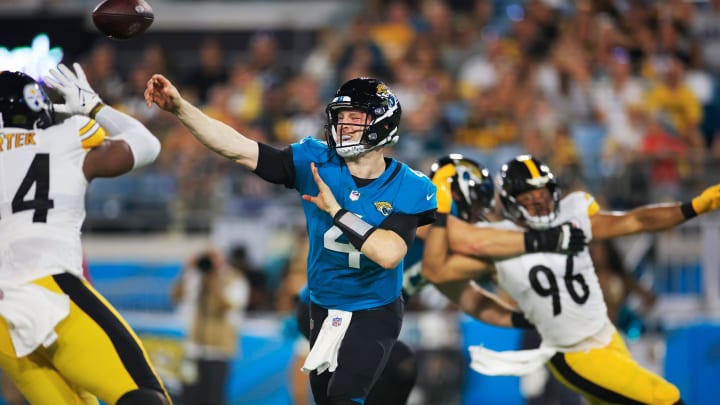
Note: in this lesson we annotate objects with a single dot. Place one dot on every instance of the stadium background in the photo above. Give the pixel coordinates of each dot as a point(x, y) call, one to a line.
point(141, 229)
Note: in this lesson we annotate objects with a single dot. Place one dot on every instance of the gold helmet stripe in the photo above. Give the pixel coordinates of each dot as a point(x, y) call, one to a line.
point(532, 168)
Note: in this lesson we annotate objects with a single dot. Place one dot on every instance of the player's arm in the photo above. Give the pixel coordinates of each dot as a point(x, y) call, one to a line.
point(468, 239)
point(385, 245)
point(129, 145)
point(216, 135)
point(482, 304)
point(119, 143)
point(497, 243)
point(653, 217)
point(440, 265)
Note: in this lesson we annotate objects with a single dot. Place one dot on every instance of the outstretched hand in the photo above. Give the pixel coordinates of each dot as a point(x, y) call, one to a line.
point(80, 98)
point(325, 200)
point(708, 201)
point(162, 92)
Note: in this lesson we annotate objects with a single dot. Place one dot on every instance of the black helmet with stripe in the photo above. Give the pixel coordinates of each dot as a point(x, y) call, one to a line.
point(520, 175)
point(23, 102)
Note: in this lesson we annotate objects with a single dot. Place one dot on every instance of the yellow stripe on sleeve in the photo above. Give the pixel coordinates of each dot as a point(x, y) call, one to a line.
point(593, 207)
point(92, 134)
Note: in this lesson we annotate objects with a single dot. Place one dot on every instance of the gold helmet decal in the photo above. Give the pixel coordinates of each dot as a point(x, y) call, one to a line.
point(382, 90)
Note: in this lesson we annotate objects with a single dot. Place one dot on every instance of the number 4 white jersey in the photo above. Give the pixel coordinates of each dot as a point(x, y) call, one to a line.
point(559, 294)
point(42, 198)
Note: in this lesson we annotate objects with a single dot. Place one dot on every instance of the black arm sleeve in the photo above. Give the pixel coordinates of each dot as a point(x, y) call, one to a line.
point(276, 165)
point(403, 225)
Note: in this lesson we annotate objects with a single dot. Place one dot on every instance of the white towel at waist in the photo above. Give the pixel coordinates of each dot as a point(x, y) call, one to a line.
point(324, 353)
point(511, 362)
point(32, 312)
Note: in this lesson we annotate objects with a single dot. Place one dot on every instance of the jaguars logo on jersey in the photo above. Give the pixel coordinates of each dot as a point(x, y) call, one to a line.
point(384, 207)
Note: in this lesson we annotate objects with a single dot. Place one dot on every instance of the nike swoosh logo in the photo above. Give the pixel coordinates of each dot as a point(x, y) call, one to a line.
point(429, 196)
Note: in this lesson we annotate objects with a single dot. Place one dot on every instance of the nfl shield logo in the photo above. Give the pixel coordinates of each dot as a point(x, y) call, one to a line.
point(354, 195)
point(336, 321)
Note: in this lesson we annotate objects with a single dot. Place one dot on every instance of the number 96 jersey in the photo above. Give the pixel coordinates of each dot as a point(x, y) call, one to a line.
point(42, 200)
point(560, 294)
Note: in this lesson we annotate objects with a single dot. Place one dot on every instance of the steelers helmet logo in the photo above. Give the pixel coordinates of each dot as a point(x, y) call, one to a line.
point(33, 97)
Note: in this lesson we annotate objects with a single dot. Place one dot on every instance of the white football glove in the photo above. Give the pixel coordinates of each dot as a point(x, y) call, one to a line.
point(80, 98)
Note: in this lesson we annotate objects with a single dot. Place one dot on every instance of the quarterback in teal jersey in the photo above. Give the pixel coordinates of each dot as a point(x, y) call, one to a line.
point(362, 210)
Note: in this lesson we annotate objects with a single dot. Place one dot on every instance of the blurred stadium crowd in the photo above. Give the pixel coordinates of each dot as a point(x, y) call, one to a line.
point(619, 97)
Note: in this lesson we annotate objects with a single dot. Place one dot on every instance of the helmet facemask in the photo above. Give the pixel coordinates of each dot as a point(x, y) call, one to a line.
point(522, 210)
point(517, 183)
point(382, 111)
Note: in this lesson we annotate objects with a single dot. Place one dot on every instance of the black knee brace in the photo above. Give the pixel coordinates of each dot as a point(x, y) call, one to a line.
point(143, 396)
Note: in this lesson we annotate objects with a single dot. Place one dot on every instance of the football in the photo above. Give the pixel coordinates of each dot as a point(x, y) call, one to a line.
point(123, 19)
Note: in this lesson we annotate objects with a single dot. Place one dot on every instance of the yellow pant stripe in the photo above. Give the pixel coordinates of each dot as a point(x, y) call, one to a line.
point(95, 352)
point(609, 375)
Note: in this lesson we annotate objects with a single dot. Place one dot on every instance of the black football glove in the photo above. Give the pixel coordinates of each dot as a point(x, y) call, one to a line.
point(564, 238)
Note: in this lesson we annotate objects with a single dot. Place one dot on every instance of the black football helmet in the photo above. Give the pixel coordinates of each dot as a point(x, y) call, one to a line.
point(472, 188)
point(23, 102)
point(522, 174)
point(374, 98)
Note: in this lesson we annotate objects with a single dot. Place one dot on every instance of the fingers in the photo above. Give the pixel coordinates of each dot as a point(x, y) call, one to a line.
point(156, 85)
point(148, 96)
point(61, 108)
point(79, 72)
point(67, 73)
point(153, 85)
point(57, 79)
point(316, 176)
point(51, 81)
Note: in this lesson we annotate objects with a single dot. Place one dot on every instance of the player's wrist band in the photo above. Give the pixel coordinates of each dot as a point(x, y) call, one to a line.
point(687, 210)
point(95, 110)
point(355, 229)
point(440, 220)
point(518, 320)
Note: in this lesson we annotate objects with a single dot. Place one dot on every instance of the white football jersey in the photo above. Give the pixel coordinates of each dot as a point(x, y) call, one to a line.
point(42, 200)
point(558, 293)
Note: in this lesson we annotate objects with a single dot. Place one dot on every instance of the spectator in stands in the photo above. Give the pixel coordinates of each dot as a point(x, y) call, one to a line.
point(246, 92)
point(210, 70)
point(679, 109)
point(215, 296)
point(260, 297)
point(394, 33)
point(104, 73)
point(266, 60)
point(361, 53)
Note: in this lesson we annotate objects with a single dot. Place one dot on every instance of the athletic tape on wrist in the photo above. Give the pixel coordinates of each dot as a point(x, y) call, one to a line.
point(440, 220)
point(687, 210)
point(355, 229)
